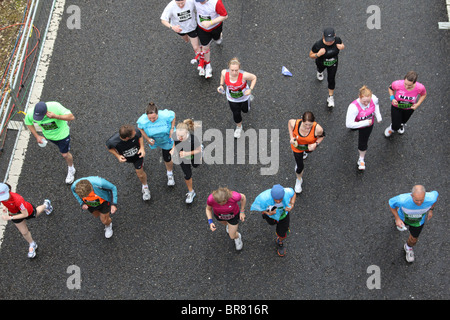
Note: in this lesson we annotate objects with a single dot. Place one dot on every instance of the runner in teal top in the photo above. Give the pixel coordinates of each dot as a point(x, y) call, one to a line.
point(52, 117)
point(275, 205)
point(413, 209)
point(157, 128)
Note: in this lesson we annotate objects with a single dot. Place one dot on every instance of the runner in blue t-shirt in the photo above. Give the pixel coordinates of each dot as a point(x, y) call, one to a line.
point(275, 205)
point(413, 209)
point(157, 128)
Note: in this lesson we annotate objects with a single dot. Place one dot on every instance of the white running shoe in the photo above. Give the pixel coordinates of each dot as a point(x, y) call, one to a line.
point(108, 231)
point(32, 250)
point(319, 76)
point(305, 155)
point(208, 71)
point(170, 180)
point(70, 176)
point(190, 196)
point(201, 71)
point(409, 254)
point(146, 194)
point(237, 132)
point(298, 185)
point(330, 101)
point(402, 129)
point(48, 206)
point(238, 242)
point(388, 132)
point(361, 164)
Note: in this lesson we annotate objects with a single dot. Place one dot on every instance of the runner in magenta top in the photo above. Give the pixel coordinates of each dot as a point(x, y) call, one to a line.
point(223, 203)
point(406, 96)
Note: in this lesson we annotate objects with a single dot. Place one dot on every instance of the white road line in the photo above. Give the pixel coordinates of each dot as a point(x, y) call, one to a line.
point(42, 68)
point(446, 25)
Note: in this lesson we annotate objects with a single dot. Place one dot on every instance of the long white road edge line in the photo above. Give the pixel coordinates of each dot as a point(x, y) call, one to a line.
point(41, 73)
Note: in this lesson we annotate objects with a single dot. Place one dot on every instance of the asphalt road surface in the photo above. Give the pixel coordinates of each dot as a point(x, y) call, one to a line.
point(341, 227)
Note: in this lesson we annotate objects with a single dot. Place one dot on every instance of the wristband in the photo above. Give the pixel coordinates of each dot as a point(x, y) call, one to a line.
point(392, 97)
point(210, 221)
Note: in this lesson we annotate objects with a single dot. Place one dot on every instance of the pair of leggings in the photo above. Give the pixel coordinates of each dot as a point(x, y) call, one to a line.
point(299, 162)
point(363, 137)
point(237, 108)
point(399, 117)
point(331, 73)
point(282, 225)
point(187, 169)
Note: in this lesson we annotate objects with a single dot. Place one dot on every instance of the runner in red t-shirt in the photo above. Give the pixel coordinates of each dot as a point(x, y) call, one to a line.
point(210, 15)
point(20, 210)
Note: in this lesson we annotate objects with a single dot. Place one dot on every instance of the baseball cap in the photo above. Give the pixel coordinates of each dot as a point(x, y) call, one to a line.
point(40, 110)
point(277, 192)
point(329, 34)
point(4, 192)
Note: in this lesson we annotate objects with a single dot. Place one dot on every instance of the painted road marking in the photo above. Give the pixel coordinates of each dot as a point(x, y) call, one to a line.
point(42, 68)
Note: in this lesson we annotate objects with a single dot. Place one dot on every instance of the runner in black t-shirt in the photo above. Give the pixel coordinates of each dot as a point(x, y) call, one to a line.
point(187, 151)
point(127, 145)
point(325, 52)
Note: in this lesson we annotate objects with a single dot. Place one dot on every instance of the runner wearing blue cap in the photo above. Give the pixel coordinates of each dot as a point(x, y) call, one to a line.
point(275, 204)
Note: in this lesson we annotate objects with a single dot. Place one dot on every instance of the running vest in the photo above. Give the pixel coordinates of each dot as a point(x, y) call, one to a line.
point(207, 12)
point(406, 98)
point(235, 90)
point(303, 141)
point(365, 114)
point(93, 200)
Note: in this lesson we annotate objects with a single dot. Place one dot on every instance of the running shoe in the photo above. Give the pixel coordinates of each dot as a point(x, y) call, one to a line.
point(330, 101)
point(48, 206)
point(281, 248)
point(70, 176)
point(402, 129)
point(409, 254)
point(146, 194)
point(298, 185)
point(305, 155)
point(170, 180)
point(361, 164)
point(319, 76)
point(190, 196)
point(208, 71)
point(388, 132)
point(108, 231)
point(238, 242)
point(32, 250)
point(237, 132)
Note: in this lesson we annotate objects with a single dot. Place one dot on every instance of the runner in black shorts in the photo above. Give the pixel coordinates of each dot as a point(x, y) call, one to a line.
point(127, 145)
point(210, 15)
point(179, 16)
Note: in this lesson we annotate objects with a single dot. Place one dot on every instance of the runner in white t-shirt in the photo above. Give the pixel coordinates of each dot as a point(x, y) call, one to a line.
point(179, 16)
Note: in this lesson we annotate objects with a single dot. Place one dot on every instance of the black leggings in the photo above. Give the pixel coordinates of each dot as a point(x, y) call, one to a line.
point(282, 229)
point(237, 108)
point(187, 170)
point(299, 162)
point(363, 137)
point(399, 116)
point(331, 73)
